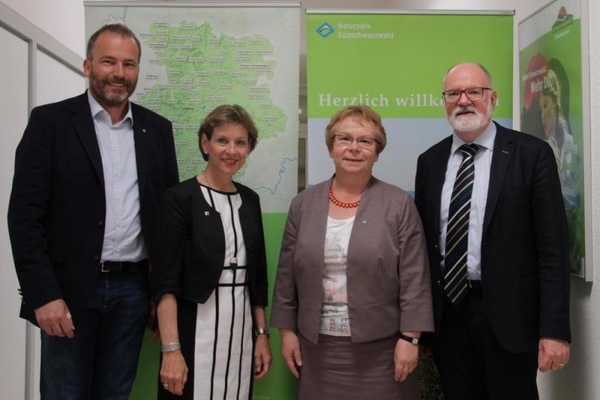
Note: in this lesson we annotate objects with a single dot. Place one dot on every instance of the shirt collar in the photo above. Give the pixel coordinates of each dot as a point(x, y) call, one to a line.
point(485, 140)
point(96, 109)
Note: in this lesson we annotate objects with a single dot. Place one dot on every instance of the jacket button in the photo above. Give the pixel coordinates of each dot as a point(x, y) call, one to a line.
point(100, 224)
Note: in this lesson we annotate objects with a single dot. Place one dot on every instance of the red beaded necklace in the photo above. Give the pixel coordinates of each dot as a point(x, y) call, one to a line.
point(340, 203)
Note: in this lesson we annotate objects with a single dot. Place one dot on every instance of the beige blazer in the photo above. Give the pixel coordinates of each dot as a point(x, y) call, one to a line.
point(387, 271)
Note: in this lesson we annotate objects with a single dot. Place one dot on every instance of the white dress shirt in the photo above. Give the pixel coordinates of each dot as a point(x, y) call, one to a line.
point(483, 162)
point(123, 240)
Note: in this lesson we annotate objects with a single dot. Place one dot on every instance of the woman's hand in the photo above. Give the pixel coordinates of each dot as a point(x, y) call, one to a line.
point(262, 356)
point(406, 356)
point(173, 372)
point(290, 350)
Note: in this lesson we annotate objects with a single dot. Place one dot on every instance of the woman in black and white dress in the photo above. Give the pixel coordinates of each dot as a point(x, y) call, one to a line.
point(210, 276)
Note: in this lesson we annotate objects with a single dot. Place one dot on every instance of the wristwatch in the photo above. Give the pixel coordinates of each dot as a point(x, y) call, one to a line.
point(262, 331)
point(409, 339)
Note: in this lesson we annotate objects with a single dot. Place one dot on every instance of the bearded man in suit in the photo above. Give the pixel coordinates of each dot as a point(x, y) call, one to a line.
point(499, 262)
point(89, 174)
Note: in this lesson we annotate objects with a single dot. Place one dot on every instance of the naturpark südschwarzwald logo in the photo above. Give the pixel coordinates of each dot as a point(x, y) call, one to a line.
point(325, 30)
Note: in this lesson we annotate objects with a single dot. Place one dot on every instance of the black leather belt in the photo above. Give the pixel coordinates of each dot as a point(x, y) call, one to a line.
point(124, 266)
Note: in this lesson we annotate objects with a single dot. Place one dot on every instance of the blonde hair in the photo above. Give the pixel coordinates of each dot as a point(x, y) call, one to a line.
point(227, 114)
point(361, 112)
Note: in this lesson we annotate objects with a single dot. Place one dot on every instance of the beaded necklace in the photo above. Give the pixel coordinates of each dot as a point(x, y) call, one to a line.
point(340, 203)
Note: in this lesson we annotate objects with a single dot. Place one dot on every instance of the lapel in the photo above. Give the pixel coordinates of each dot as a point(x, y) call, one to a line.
point(314, 221)
point(503, 150)
point(438, 176)
point(85, 130)
point(141, 136)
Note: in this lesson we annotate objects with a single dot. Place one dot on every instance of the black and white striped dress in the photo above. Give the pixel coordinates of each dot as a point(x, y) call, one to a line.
point(216, 336)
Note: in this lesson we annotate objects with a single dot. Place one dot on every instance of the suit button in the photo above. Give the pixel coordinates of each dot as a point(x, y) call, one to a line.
point(100, 224)
point(96, 258)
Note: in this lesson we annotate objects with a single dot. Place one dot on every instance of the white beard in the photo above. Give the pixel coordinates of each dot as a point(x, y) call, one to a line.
point(470, 122)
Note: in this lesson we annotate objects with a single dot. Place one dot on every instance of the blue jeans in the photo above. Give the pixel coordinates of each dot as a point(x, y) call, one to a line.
point(100, 362)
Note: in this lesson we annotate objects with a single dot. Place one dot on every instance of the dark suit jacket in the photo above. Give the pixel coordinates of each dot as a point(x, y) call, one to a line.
point(388, 277)
point(190, 244)
point(524, 249)
point(57, 205)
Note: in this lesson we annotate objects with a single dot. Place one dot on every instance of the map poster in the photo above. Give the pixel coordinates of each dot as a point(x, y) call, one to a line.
point(196, 56)
point(550, 67)
point(395, 63)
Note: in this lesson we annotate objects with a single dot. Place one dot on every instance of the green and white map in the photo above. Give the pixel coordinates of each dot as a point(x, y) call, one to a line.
point(196, 57)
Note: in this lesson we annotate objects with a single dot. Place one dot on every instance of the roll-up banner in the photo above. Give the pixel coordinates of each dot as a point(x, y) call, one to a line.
point(555, 107)
point(395, 62)
point(196, 56)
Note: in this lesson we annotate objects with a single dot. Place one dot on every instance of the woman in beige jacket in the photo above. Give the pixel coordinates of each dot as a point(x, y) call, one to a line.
point(352, 293)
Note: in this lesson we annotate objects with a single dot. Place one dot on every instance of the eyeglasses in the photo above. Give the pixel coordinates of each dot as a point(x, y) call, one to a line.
point(364, 142)
point(474, 93)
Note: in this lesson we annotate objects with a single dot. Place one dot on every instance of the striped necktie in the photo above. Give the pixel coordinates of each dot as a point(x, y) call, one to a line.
point(457, 235)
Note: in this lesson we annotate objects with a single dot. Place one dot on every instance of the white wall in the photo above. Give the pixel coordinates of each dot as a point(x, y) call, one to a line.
point(12, 79)
point(63, 20)
point(49, 80)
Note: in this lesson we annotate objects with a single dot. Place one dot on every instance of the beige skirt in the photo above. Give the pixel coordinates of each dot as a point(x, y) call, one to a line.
point(336, 368)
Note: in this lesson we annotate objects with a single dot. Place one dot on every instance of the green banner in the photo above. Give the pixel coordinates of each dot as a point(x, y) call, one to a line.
point(552, 107)
point(396, 63)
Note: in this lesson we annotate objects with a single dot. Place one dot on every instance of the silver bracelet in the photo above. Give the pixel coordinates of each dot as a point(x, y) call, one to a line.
point(169, 347)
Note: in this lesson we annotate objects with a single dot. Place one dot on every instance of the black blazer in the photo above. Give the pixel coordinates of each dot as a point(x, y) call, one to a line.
point(524, 249)
point(190, 244)
point(57, 206)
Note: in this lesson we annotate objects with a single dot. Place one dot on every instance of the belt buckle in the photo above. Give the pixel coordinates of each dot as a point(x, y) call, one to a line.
point(104, 268)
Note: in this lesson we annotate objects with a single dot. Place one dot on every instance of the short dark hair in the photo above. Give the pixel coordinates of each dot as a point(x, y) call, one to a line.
point(227, 114)
point(119, 29)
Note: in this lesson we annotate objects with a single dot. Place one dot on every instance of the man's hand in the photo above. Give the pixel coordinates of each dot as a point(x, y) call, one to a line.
point(54, 318)
point(553, 354)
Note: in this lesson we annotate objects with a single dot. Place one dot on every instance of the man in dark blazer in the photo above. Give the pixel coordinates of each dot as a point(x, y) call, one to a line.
point(89, 174)
point(514, 318)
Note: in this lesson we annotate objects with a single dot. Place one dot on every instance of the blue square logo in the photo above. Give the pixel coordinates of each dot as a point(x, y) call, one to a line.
point(325, 30)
